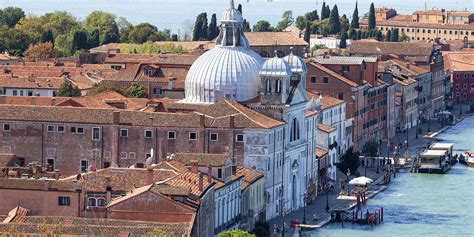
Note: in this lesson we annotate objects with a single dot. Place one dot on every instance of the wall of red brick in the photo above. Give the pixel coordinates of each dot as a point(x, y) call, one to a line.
point(41, 203)
point(459, 79)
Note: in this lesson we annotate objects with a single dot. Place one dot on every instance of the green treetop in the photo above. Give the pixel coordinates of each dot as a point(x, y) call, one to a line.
point(355, 18)
point(334, 21)
point(213, 30)
point(372, 22)
point(262, 26)
point(67, 89)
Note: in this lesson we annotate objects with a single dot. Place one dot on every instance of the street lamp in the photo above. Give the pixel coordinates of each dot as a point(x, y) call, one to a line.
point(365, 166)
point(347, 179)
point(327, 198)
point(304, 207)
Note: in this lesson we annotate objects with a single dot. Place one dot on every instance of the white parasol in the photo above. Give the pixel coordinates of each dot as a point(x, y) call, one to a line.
point(360, 181)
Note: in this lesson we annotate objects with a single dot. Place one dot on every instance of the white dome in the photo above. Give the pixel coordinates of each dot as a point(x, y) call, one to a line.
point(275, 67)
point(296, 63)
point(223, 73)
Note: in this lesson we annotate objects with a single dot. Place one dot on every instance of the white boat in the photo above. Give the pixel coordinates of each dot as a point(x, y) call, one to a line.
point(469, 158)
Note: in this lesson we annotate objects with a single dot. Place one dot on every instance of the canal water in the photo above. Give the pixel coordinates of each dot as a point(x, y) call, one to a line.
point(422, 204)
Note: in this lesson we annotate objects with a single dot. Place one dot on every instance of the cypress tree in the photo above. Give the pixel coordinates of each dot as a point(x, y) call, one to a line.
point(395, 35)
point(388, 36)
point(239, 8)
point(307, 33)
point(359, 35)
point(372, 23)
point(355, 18)
point(343, 43)
point(352, 34)
point(379, 36)
point(247, 26)
point(323, 11)
point(200, 27)
point(204, 28)
point(328, 11)
point(213, 31)
point(334, 23)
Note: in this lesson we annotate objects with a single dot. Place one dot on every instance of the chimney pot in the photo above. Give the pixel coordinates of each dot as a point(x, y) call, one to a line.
point(209, 174)
point(194, 166)
point(200, 182)
point(56, 174)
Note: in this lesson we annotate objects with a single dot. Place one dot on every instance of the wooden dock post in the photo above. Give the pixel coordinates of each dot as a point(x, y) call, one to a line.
point(381, 209)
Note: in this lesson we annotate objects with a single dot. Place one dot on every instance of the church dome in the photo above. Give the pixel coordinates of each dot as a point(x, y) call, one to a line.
point(223, 73)
point(228, 71)
point(296, 63)
point(275, 67)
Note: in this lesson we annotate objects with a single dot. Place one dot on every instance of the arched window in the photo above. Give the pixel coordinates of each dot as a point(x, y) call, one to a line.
point(268, 85)
point(295, 130)
point(278, 86)
point(101, 202)
point(91, 202)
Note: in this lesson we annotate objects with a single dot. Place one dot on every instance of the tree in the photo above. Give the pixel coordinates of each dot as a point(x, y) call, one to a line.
point(213, 30)
point(105, 23)
point(359, 35)
point(39, 51)
point(135, 91)
point(261, 229)
point(239, 8)
point(9, 16)
point(379, 36)
point(286, 20)
point(67, 89)
point(352, 34)
point(371, 149)
point(343, 43)
point(174, 37)
point(93, 38)
point(324, 12)
point(355, 18)
point(79, 40)
point(262, 26)
point(388, 36)
point(247, 26)
point(60, 23)
point(199, 26)
point(235, 233)
point(372, 23)
point(394, 37)
point(142, 33)
point(350, 160)
point(334, 21)
point(13, 41)
point(312, 16)
point(47, 36)
point(344, 23)
point(124, 29)
point(307, 33)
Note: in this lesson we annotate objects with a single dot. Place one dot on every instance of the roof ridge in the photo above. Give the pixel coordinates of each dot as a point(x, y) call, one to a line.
point(244, 114)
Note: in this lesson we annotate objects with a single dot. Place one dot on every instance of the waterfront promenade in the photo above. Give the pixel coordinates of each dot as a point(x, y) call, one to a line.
point(318, 207)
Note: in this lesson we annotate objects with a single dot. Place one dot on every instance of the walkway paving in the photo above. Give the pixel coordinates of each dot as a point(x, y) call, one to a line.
point(317, 208)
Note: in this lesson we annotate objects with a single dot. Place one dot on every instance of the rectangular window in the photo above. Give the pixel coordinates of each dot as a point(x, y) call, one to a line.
point(345, 68)
point(73, 129)
point(156, 91)
point(80, 131)
point(64, 201)
point(214, 137)
point(340, 96)
point(465, 86)
point(124, 132)
point(30, 93)
point(84, 166)
point(96, 134)
point(50, 165)
point(15, 93)
point(6, 127)
point(171, 135)
point(131, 155)
point(313, 79)
point(123, 155)
point(106, 164)
point(325, 80)
point(240, 138)
point(219, 173)
point(148, 134)
point(51, 128)
point(60, 129)
point(192, 136)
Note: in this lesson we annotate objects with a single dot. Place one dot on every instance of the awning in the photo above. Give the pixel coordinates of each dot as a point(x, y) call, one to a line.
point(329, 179)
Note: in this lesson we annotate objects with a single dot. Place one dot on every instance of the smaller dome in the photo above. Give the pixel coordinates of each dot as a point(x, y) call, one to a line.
point(275, 67)
point(296, 63)
point(232, 15)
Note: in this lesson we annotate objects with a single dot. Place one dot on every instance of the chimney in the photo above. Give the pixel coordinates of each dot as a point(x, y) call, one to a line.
point(209, 174)
point(202, 120)
point(254, 171)
point(108, 190)
point(194, 166)
point(56, 174)
point(200, 182)
point(149, 176)
point(231, 121)
point(116, 117)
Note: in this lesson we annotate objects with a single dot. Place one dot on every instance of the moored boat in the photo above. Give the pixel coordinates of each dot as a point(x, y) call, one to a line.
point(468, 159)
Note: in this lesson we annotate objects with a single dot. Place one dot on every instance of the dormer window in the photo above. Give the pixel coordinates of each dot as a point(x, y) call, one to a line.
point(149, 72)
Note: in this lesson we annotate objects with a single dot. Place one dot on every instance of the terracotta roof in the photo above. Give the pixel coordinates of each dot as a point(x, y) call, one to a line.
point(250, 176)
point(405, 67)
point(166, 59)
point(74, 226)
point(274, 38)
point(325, 128)
point(6, 159)
point(443, 13)
point(460, 61)
point(203, 159)
point(17, 214)
point(320, 152)
point(329, 101)
point(36, 184)
point(31, 100)
point(334, 74)
point(344, 60)
point(121, 179)
point(387, 48)
point(188, 179)
point(30, 82)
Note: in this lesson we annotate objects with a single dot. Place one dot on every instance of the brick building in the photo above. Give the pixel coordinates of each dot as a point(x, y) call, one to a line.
point(462, 75)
